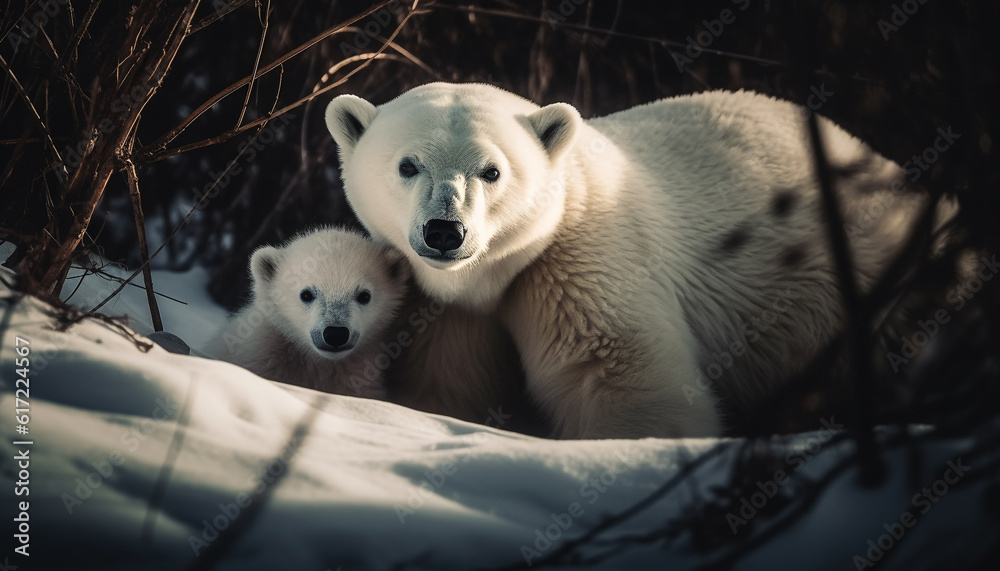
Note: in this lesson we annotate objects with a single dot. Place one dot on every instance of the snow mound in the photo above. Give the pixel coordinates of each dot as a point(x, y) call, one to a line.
point(144, 459)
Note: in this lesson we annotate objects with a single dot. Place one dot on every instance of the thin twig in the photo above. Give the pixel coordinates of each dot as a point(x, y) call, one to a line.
point(27, 9)
point(74, 42)
point(256, 63)
point(161, 143)
point(187, 217)
point(600, 31)
point(87, 184)
point(140, 228)
point(31, 107)
point(677, 479)
point(402, 51)
point(216, 16)
point(183, 222)
point(366, 59)
point(858, 314)
point(111, 277)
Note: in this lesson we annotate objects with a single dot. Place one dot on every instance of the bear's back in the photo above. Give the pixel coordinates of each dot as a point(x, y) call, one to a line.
point(726, 185)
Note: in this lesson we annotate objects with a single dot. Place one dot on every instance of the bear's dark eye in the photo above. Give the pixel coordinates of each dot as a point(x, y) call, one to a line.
point(407, 169)
point(491, 174)
point(364, 297)
point(306, 295)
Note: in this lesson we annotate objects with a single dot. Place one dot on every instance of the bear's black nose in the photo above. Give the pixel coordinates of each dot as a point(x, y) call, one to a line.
point(444, 235)
point(336, 336)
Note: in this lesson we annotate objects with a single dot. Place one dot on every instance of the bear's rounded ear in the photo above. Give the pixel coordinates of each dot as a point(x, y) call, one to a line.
point(264, 265)
point(347, 117)
point(556, 126)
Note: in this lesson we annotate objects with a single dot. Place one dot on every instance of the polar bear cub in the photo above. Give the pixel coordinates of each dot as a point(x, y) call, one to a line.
point(645, 263)
point(321, 304)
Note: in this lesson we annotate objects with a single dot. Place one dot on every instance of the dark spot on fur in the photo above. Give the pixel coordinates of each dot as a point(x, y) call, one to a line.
point(793, 256)
point(395, 269)
point(782, 203)
point(735, 240)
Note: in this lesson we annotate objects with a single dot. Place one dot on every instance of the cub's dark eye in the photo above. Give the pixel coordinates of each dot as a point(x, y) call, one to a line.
point(364, 297)
point(407, 169)
point(491, 174)
point(306, 295)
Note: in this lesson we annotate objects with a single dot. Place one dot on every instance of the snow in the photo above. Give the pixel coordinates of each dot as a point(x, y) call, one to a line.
point(195, 317)
point(116, 424)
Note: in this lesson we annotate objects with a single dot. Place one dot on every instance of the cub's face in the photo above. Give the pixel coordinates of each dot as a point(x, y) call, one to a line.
point(330, 291)
point(454, 176)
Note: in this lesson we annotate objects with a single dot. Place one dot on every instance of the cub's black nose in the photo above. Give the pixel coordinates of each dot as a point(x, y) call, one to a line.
point(444, 235)
point(336, 336)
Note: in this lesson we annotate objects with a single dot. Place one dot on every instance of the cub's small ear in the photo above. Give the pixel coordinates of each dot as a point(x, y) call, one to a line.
point(557, 127)
point(347, 117)
point(264, 265)
point(399, 267)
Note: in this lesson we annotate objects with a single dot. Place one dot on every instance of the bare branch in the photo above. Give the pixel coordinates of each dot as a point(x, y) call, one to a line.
point(86, 185)
point(151, 150)
point(216, 16)
point(600, 31)
point(140, 227)
point(366, 58)
point(857, 310)
point(31, 107)
point(256, 63)
point(187, 218)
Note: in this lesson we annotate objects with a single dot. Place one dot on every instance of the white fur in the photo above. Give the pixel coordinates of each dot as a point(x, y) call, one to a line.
point(279, 336)
point(602, 248)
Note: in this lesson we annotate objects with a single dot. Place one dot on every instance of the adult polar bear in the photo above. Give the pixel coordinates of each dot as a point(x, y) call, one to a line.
point(624, 254)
